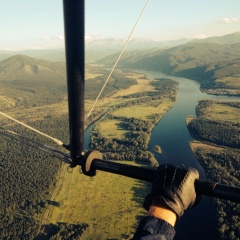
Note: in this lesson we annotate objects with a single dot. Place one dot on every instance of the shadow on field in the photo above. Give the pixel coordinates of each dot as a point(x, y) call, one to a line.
point(61, 231)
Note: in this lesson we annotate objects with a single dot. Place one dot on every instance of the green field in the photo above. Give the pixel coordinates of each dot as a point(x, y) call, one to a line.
point(232, 81)
point(110, 204)
point(145, 111)
point(221, 111)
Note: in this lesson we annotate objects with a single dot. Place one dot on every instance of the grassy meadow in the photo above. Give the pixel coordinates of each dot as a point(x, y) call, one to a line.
point(110, 204)
point(220, 111)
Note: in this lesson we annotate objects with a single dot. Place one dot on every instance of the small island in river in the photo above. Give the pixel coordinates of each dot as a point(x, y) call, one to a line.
point(157, 148)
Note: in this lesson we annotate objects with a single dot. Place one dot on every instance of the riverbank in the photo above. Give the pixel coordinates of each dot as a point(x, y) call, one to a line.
point(218, 123)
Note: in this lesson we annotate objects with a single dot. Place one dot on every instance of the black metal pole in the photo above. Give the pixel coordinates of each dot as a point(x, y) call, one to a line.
point(147, 174)
point(74, 45)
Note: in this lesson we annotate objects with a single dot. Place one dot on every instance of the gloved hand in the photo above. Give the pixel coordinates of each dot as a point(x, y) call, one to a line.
point(173, 188)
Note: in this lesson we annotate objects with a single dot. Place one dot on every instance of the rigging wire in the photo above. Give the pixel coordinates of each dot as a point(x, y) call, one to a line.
point(123, 49)
point(64, 157)
point(58, 142)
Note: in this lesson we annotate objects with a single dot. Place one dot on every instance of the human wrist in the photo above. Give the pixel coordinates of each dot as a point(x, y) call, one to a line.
point(163, 213)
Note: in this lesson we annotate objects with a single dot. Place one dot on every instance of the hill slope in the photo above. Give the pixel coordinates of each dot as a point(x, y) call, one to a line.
point(26, 81)
point(23, 67)
point(216, 66)
point(226, 39)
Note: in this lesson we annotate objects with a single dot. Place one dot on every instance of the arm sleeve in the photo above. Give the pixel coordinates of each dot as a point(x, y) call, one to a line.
point(152, 228)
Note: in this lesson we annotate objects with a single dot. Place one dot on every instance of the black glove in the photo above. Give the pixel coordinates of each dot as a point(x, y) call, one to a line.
point(173, 188)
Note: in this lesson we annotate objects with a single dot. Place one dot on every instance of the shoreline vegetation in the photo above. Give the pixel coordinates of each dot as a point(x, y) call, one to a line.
point(216, 130)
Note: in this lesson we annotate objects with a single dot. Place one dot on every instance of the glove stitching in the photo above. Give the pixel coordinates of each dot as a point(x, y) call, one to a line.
point(174, 174)
point(184, 179)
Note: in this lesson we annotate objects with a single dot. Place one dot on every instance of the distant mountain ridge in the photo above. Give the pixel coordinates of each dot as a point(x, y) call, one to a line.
point(216, 66)
point(100, 48)
point(226, 39)
point(176, 60)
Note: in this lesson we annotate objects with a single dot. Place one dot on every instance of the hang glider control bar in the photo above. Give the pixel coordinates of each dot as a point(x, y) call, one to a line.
point(92, 161)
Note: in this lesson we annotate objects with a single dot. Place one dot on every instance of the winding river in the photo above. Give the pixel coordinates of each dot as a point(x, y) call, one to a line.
point(172, 135)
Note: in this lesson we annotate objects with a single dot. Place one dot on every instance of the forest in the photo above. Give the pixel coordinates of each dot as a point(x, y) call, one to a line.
point(217, 126)
point(27, 178)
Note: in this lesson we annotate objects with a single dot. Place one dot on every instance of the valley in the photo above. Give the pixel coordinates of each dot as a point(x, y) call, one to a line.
point(42, 199)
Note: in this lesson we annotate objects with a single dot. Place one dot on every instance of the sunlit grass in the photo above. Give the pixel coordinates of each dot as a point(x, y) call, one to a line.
point(111, 128)
point(232, 81)
point(144, 111)
point(221, 112)
point(141, 86)
point(109, 203)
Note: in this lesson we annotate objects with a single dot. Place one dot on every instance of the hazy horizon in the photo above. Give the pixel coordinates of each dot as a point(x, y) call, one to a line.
point(30, 25)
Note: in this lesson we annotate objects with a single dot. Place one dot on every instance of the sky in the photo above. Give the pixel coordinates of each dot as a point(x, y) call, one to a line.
point(31, 24)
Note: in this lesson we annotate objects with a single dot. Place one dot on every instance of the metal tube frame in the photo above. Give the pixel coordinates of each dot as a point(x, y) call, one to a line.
point(74, 27)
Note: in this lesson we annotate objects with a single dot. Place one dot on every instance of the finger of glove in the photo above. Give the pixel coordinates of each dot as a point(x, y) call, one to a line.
point(186, 190)
point(160, 179)
point(168, 178)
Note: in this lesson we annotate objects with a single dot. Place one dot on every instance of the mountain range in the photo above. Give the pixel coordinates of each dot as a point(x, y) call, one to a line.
point(205, 61)
point(100, 48)
point(196, 60)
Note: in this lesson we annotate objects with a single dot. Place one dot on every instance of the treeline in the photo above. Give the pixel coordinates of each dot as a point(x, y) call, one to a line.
point(137, 139)
point(131, 148)
point(219, 132)
point(222, 166)
point(142, 157)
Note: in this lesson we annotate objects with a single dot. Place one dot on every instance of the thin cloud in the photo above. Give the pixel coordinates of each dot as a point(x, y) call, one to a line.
point(33, 48)
point(90, 37)
point(53, 38)
point(229, 20)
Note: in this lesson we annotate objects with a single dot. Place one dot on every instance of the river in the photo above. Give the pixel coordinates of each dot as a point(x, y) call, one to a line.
point(173, 136)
